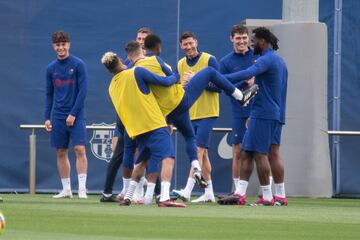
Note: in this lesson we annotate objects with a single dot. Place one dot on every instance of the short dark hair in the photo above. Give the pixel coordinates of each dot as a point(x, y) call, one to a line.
point(144, 30)
point(240, 29)
point(152, 41)
point(60, 36)
point(269, 37)
point(132, 47)
point(186, 35)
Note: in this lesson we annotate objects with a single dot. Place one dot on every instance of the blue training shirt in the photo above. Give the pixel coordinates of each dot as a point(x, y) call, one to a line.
point(66, 88)
point(234, 62)
point(268, 72)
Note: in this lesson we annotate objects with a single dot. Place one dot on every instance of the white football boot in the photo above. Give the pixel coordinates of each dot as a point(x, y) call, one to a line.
point(64, 194)
point(204, 198)
point(82, 194)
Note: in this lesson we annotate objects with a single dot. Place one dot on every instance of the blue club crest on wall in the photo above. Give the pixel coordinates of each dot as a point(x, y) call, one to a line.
point(101, 142)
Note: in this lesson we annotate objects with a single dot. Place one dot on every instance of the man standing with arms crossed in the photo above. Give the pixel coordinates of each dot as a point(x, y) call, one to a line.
point(66, 87)
point(240, 58)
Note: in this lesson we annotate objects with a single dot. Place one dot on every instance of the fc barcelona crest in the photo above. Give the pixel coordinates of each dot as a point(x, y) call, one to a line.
point(101, 142)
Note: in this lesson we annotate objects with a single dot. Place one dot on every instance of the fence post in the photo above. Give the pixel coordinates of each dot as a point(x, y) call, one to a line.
point(32, 162)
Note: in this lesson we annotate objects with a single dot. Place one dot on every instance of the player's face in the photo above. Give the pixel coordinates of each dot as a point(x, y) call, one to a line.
point(140, 38)
point(62, 49)
point(189, 46)
point(256, 45)
point(240, 42)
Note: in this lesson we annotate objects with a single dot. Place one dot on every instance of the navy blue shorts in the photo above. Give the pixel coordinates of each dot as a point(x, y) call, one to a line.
point(158, 142)
point(129, 151)
point(238, 130)
point(203, 129)
point(62, 134)
point(259, 135)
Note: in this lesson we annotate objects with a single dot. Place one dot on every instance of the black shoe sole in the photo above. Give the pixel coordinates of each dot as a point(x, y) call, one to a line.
point(248, 94)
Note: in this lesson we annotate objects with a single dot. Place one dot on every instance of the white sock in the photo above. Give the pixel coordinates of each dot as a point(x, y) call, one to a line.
point(66, 183)
point(237, 94)
point(165, 191)
point(150, 190)
point(271, 179)
point(266, 192)
point(139, 191)
point(195, 164)
point(126, 183)
point(82, 180)
point(189, 186)
point(280, 190)
point(236, 184)
point(131, 189)
point(209, 189)
point(242, 187)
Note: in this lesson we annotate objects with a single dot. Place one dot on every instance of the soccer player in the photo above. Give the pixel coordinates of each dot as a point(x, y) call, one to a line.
point(117, 157)
point(276, 163)
point(66, 87)
point(240, 58)
point(203, 113)
point(141, 34)
point(143, 119)
point(264, 116)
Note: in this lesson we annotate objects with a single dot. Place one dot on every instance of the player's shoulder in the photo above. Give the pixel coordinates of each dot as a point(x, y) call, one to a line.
point(181, 61)
point(227, 57)
point(207, 55)
point(52, 65)
point(76, 60)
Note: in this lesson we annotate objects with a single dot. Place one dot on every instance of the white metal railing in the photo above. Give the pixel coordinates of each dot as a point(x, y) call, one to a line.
point(32, 147)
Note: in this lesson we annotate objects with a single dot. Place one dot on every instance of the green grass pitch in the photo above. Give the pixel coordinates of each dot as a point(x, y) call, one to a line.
point(41, 217)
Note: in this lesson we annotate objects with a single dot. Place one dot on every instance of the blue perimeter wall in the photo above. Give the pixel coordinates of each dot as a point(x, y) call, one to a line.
point(96, 27)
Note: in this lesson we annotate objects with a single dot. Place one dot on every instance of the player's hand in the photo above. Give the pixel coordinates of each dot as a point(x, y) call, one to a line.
point(187, 76)
point(250, 81)
point(70, 121)
point(48, 126)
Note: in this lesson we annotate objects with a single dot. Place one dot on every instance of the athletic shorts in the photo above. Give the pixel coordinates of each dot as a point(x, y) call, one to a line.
point(129, 151)
point(238, 130)
point(277, 136)
point(203, 129)
point(146, 156)
point(159, 144)
point(259, 135)
point(62, 134)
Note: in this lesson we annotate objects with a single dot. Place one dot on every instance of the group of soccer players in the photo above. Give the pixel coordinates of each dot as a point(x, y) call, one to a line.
point(149, 98)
